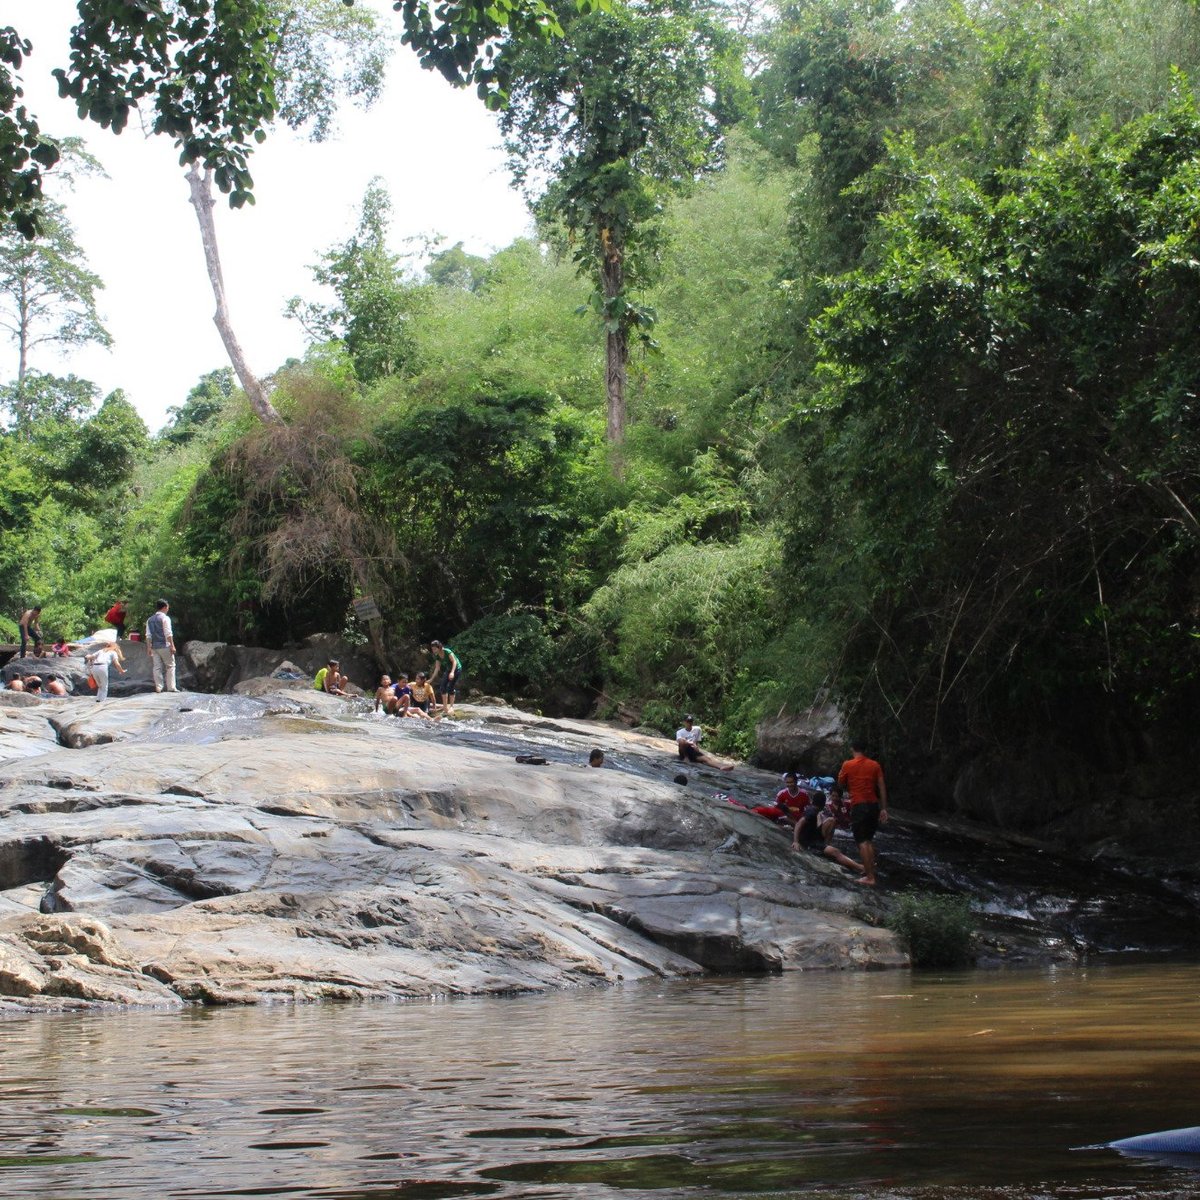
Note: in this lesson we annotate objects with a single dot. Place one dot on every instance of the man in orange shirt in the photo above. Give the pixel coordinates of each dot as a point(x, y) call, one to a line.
point(862, 777)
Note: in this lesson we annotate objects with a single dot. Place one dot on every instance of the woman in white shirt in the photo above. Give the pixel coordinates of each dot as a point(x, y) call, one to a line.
point(109, 655)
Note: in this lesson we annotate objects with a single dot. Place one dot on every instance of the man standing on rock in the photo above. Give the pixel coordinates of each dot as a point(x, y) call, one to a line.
point(862, 777)
point(160, 645)
point(30, 625)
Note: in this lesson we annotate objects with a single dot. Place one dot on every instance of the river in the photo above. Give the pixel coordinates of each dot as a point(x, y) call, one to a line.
point(980, 1085)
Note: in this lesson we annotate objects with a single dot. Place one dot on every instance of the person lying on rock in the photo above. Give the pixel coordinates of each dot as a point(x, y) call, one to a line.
point(687, 740)
point(814, 833)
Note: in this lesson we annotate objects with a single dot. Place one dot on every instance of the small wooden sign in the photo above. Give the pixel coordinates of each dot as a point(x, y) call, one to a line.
point(365, 609)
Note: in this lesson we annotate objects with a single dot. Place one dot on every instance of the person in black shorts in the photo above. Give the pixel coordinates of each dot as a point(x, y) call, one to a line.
point(451, 679)
point(814, 833)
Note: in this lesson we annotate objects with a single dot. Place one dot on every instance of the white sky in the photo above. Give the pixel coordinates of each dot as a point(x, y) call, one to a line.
point(436, 147)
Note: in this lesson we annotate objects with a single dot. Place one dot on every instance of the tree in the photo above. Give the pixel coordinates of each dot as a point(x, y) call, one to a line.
point(1007, 530)
point(46, 397)
point(374, 302)
point(24, 152)
point(47, 292)
point(455, 268)
point(216, 73)
point(204, 403)
point(629, 107)
point(482, 494)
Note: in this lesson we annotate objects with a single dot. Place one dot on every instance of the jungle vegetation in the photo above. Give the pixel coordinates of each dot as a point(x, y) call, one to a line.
point(904, 313)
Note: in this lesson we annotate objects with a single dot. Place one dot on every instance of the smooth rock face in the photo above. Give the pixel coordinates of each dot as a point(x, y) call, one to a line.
point(812, 741)
point(231, 849)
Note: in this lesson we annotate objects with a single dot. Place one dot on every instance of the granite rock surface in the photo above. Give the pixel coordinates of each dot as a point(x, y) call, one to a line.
point(166, 849)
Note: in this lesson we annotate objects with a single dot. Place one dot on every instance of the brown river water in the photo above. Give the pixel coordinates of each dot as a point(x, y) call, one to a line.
point(885, 1084)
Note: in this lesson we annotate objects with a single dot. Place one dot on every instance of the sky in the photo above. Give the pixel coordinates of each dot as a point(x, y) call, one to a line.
point(436, 148)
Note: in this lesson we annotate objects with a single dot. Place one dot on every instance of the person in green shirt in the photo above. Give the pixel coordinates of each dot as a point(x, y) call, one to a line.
point(451, 678)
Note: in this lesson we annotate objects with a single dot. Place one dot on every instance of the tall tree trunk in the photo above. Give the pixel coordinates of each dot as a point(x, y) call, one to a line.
point(200, 186)
point(612, 273)
point(24, 418)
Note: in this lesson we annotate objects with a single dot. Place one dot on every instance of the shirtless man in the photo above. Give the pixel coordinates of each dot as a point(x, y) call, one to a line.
point(30, 625)
point(384, 694)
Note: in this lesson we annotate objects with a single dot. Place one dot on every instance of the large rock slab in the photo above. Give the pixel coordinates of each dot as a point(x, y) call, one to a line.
point(232, 849)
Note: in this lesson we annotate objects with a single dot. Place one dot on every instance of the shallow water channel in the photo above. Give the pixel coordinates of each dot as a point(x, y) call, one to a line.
point(890, 1084)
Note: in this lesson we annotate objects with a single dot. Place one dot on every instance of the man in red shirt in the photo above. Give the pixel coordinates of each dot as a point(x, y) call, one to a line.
point(862, 777)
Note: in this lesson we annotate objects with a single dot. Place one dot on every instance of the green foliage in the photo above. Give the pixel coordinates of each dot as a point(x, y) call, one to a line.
point(48, 296)
point(375, 303)
point(514, 332)
point(24, 152)
point(455, 268)
point(627, 109)
point(204, 404)
point(1009, 434)
point(485, 497)
point(678, 626)
point(938, 931)
point(509, 653)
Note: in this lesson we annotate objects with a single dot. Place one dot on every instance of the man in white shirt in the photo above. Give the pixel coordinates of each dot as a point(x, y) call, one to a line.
point(688, 741)
point(160, 645)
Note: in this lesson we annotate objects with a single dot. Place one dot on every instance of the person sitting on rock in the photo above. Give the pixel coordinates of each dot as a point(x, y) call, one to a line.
point(814, 833)
point(384, 695)
point(687, 740)
point(402, 695)
point(838, 809)
point(329, 679)
point(792, 797)
point(405, 706)
point(423, 696)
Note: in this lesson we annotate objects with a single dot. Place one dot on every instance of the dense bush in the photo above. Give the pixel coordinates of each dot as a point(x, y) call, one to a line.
point(937, 930)
point(507, 653)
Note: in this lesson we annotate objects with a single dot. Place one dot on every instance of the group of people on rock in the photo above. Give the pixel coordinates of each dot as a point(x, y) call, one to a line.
point(857, 802)
point(423, 697)
point(101, 657)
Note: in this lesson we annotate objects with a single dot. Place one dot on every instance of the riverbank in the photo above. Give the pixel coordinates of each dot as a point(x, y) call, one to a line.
point(165, 850)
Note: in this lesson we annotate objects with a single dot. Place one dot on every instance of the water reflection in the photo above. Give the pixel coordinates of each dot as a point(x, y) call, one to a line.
point(882, 1085)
